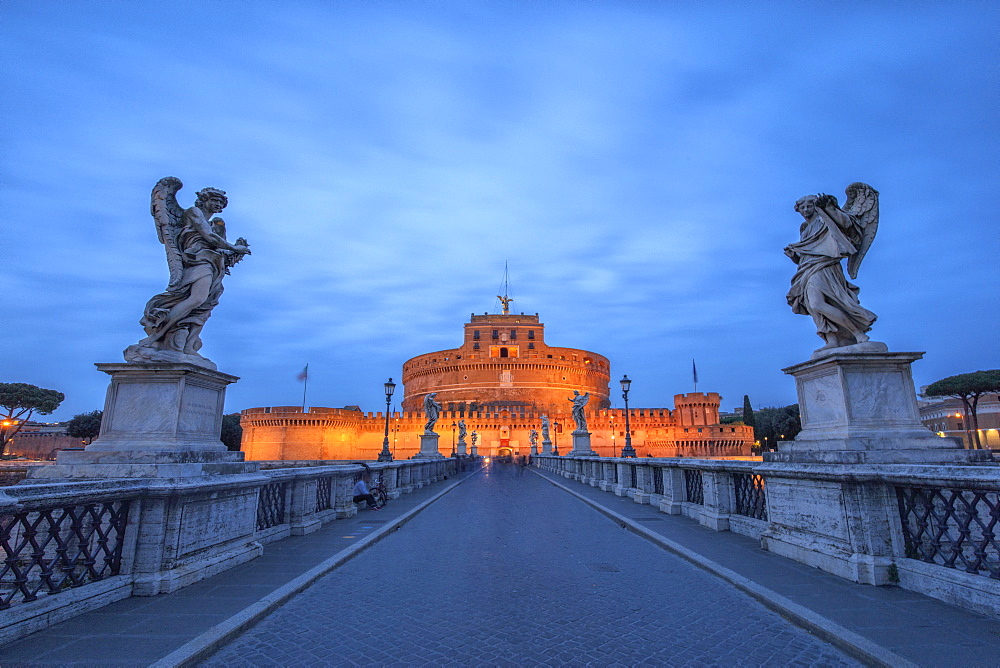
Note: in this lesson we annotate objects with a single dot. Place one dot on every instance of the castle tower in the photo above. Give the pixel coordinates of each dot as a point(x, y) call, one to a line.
point(697, 409)
point(504, 362)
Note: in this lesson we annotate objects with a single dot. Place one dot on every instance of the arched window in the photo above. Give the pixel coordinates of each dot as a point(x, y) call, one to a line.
point(503, 352)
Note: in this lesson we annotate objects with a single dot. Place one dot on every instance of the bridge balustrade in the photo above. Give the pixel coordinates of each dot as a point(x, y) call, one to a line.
point(70, 547)
point(942, 522)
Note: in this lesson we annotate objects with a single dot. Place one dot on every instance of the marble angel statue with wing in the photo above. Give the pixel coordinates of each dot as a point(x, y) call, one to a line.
point(820, 289)
point(198, 257)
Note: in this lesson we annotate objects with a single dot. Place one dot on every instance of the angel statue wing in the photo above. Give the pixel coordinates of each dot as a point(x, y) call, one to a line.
point(168, 216)
point(862, 203)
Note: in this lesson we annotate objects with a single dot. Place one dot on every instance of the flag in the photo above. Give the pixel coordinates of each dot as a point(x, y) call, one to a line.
point(304, 374)
point(694, 372)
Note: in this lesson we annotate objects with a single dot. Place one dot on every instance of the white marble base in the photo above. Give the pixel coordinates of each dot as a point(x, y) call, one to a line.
point(81, 464)
point(581, 445)
point(860, 407)
point(428, 447)
point(546, 447)
point(159, 406)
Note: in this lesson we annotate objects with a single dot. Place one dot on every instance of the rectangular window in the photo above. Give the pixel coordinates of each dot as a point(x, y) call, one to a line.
point(513, 334)
point(475, 335)
point(531, 333)
point(475, 346)
point(496, 333)
point(531, 345)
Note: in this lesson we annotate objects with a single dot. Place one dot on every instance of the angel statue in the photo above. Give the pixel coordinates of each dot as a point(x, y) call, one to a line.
point(545, 428)
point(819, 288)
point(533, 439)
point(579, 401)
point(432, 410)
point(198, 256)
point(462, 431)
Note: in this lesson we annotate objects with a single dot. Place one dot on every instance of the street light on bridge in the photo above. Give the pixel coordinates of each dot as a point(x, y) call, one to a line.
point(628, 450)
point(385, 455)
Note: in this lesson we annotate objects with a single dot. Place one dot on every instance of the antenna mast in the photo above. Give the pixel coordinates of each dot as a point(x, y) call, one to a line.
point(506, 299)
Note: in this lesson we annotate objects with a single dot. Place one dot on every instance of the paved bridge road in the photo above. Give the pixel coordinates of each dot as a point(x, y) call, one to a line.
point(509, 570)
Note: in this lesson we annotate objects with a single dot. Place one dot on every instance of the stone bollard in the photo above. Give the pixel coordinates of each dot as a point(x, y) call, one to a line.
point(720, 500)
point(674, 492)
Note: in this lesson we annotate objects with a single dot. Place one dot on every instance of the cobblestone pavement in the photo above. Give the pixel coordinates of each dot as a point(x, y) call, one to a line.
point(508, 570)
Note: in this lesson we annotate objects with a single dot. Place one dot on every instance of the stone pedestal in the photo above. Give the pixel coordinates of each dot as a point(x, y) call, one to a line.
point(859, 415)
point(428, 447)
point(861, 408)
point(460, 449)
point(546, 447)
point(160, 421)
point(581, 445)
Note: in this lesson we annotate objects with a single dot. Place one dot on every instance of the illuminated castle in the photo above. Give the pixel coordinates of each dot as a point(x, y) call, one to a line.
point(501, 380)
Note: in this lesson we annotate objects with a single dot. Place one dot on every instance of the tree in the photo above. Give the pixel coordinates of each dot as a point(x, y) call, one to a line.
point(969, 387)
point(232, 432)
point(776, 424)
point(19, 401)
point(85, 425)
point(747, 411)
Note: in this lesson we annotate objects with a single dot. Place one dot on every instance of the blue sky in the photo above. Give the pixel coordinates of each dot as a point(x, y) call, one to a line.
point(635, 163)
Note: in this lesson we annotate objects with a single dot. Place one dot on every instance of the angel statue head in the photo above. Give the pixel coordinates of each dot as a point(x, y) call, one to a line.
point(820, 289)
point(209, 195)
point(198, 257)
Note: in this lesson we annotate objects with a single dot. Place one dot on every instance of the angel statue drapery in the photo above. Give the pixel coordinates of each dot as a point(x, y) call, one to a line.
point(432, 410)
point(198, 257)
point(819, 288)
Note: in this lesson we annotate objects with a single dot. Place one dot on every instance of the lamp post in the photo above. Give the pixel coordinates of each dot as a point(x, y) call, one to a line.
point(628, 450)
point(453, 439)
point(385, 455)
point(395, 436)
point(555, 446)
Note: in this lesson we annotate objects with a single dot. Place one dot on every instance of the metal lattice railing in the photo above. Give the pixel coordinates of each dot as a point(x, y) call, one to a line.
point(955, 528)
point(271, 505)
point(657, 480)
point(750, 498)
point(694, 487)
point(324, 493)
point(48, 550)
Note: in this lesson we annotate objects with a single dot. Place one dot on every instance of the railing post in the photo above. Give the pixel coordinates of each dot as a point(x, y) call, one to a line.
point(674, 492)
point(644, 484)
point(390, 475)
point(621, 487)
point(607, 476)
point(405, 477)
point(343, 484)
point(720, 499)
point(302, 505)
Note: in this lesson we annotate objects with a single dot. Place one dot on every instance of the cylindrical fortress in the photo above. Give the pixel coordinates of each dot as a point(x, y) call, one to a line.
point(505, 362)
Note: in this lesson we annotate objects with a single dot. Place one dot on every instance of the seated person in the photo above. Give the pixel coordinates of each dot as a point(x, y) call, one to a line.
point(362, 493)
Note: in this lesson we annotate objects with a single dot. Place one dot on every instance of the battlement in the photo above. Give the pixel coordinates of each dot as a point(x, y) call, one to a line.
point(505, 319)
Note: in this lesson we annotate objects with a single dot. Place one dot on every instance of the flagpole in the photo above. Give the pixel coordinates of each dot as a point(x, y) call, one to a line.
point(694, 374)
point(305, 386)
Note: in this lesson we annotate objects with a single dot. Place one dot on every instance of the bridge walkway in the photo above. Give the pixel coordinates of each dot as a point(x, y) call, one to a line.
point(508, 569)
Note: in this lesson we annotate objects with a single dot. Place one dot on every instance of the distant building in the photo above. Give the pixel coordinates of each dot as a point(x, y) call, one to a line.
point(41, 440)
point(501, 380)
point(946, 416)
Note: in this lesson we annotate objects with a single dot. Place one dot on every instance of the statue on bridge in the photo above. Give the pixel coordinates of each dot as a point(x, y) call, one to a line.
point(545, 428)
point(533, 440)
point(819, 288)
point(432, 410)
point(579, 401)
point(198, 257)
point(461, 431)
